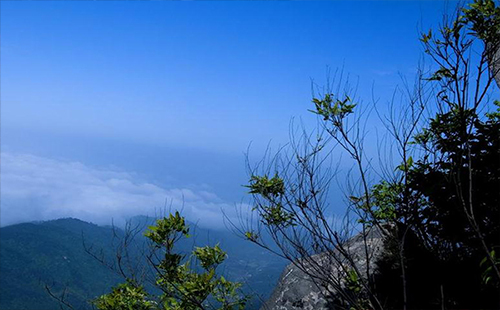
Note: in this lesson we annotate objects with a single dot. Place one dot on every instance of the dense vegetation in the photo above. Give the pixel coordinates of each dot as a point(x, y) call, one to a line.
point(33, 255)
point(186, 281)
point(438, 208)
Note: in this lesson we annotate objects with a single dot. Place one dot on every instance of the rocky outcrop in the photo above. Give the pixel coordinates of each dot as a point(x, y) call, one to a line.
point(495, 62)
point(496, 67)
point(296, 289)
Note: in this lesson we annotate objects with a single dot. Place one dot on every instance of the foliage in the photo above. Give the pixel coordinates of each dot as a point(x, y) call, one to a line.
point(271, 190)
point(186, 283)
point(448, 212)
point(333, 109)
point(267, 187)
point(33, 255)
point(439, 209)
point(483, 16)
point(126, 296)
point(487, 274)
point(52, 253)
point(354, 287)
point(444, 216)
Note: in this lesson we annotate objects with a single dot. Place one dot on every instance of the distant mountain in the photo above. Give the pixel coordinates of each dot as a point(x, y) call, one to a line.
point(52, 253)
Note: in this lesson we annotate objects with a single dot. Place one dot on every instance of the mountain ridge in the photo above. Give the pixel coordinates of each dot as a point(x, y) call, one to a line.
point(36, 254)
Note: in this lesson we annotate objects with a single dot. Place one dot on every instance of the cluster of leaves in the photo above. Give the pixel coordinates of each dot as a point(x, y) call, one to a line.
point(438, 180)
point(447, 47)
point(484, 18)
point(333, 109)
point(187, 283)
point(126, 296)
point(487, 274)
point(271, 190)
point(444, 213)
point(354, 287)
point(386, 197)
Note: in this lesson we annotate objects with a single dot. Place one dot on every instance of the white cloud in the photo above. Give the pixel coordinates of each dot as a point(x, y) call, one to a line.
point(37, 188)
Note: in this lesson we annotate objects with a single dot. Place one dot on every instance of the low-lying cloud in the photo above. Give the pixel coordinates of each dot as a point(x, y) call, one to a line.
point(36, 188)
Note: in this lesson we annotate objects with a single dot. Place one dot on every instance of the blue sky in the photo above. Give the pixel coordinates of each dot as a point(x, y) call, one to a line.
point(170, 94)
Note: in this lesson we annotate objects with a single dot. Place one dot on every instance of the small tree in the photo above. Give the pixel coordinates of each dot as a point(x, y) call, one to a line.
point(186, 282)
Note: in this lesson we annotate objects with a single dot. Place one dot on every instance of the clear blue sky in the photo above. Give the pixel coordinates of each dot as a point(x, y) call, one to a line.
point(170, 94)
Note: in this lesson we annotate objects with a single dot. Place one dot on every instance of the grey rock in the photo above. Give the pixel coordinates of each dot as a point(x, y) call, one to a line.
point(296, 289)
point(496, 67)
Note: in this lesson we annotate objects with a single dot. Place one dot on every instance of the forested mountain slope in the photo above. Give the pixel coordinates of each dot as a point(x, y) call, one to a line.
point(52, 253)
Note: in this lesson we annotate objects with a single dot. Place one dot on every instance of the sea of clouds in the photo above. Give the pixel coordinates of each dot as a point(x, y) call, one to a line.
point(35, 188)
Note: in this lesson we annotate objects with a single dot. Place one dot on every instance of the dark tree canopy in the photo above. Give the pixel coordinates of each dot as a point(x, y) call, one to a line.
point(439, 209)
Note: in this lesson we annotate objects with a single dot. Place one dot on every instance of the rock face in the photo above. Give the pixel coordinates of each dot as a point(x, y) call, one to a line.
point(496, 67)
point(495, 63)
point(297, 290)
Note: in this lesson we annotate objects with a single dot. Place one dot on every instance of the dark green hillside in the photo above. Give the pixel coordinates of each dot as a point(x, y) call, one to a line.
point(32, 254)
point(52, 253)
